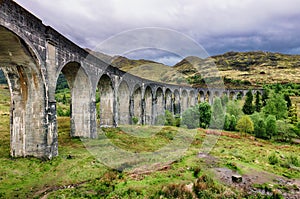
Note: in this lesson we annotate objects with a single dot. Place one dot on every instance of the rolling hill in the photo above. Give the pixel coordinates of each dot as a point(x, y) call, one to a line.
point(237, 69)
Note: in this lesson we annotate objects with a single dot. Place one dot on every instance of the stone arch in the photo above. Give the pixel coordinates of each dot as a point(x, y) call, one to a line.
point(106, 104)
point(201, 96)
point(216, 94)
point(232, 95)
point(192, 101)
point(168, 98)
point(22, 67)
point(148, 99)
point(207, 96)
point(176, 102)
point(137, 103)
point(159, 104)
point(78, 82)
point(240, 95)
point(184, 101)
point(123, 103)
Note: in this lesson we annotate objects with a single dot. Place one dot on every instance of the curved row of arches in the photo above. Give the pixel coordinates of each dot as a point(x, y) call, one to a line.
point(32, 78)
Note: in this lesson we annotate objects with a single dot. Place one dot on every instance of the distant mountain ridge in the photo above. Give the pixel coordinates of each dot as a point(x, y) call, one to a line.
point(237, 69)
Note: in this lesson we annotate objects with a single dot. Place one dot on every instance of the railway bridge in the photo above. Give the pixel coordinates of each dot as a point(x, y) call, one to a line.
point(32, 55)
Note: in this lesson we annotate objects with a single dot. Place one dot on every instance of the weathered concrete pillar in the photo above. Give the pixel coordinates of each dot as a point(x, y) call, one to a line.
point(138, 105)
point(148, 106)
point(184, 101)
point(93, 120)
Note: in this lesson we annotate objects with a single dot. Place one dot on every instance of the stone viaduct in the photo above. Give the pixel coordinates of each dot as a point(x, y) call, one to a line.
point(32, 55)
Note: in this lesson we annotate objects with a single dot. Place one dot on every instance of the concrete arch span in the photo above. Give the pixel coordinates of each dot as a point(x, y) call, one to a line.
point(22, 70)
point(79, 85)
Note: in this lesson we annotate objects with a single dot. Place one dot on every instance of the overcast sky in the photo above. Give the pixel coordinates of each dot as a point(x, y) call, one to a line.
point(218, 26)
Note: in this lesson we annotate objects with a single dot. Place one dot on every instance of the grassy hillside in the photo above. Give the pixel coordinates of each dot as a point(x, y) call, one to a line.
point(238, 69)
point(78, 174)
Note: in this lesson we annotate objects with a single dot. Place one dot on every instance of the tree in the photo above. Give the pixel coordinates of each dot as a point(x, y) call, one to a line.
point(257, 102)
point(169, 118)
point(197, 116)
point(260, 130)
point(292, 114)
point(259, 125)
point(190, 117)
point(248, 108)
point(265, 96)
point(285, 130)
point(288, 100)
point(230, 122)
point(205, 114)
point(271, 127)
point(218, 114)
point(224, 100)
point(245, 125)
point(276, 105)
point(234, 108)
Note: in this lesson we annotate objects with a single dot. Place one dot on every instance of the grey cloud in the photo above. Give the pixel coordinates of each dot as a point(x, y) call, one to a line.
point(218, 25)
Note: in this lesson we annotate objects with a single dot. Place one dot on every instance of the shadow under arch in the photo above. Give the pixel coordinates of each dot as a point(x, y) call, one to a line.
point(123, 103)
point(22, 67)
point(136, 104)
point(78, 83)
point(106, 105)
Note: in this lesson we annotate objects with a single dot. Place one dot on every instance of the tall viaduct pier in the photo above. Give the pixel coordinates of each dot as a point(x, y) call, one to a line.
point(32, 55)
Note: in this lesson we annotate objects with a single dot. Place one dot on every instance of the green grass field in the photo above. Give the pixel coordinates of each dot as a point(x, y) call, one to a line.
point(79, 173)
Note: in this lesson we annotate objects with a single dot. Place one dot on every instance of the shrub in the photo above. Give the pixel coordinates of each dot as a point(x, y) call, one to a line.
point(245, 124)
point(190, 117)
point(205, 114)
point(175, 191)
point(135, 120)
point(271, 127)
point(293, 160)
point(273, 159)
point(169, 118)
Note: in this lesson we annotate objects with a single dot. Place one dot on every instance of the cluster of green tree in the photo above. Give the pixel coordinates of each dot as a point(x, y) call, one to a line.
point(291, 89)
point(270, 115)
point(61, 83)
point(168, 119)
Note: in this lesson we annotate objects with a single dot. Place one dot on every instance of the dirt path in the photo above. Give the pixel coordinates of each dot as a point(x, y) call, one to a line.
point(254, 181)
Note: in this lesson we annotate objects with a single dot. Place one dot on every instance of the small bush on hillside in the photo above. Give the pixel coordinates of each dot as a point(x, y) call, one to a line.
point(273, 159)
point(169, 118)
point(293, 160)
point(135, 120)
